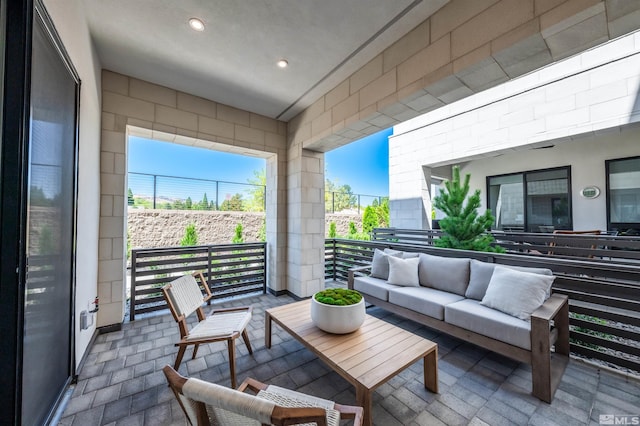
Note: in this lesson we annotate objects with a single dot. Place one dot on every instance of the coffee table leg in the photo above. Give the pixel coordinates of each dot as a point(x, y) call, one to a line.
point(431, 370)
point(267, 330)
point(363, 398)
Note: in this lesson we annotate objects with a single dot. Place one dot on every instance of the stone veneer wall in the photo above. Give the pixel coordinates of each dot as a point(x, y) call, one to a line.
point(165, 228)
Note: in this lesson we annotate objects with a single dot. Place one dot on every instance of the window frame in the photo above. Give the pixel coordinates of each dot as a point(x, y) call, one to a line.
point(525, 192)
point(616, 226)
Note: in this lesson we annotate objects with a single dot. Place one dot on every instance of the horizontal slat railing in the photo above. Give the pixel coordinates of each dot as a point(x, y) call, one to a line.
point(230, 270)
point(610, 248)
point(604, 294)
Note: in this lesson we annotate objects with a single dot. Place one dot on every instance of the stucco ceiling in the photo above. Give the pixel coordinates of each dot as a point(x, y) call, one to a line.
point(233, 61)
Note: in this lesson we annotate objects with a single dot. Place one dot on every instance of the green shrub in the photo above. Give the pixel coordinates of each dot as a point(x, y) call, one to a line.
point(369, 220)
point(190, 236)
point(238, 238)
point(332, 230)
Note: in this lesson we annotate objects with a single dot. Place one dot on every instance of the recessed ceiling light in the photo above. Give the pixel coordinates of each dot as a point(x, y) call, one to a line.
point(283, 63)
point(196, 24)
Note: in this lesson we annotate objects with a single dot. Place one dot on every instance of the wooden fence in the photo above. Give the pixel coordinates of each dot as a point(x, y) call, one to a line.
point(230, 269)
point(604, 293)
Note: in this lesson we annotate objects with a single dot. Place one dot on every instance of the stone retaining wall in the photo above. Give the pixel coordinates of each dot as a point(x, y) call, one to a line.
point(165, 228)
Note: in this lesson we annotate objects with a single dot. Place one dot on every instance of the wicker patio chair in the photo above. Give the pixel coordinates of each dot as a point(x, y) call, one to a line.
point(207, 404)
point(184, 297)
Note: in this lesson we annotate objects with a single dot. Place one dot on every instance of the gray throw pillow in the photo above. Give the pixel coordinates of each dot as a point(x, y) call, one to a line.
point(403, 272)
point(380, 264)
point(481, 272)
point(448, 274)
point(516, 293)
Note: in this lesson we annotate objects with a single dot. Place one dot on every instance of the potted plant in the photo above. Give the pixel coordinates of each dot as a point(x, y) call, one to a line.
point(338, 310)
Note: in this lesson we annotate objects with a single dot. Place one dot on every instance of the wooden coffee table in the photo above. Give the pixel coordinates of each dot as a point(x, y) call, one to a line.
point(366, 358)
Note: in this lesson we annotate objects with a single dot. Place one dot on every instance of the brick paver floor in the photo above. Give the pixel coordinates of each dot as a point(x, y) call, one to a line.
point(121, 382)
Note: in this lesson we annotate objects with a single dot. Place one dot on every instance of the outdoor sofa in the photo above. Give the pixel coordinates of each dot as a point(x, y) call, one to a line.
point(509, 310)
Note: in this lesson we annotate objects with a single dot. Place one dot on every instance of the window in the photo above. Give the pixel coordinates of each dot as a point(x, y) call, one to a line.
point(623, 195)
point(533, 201)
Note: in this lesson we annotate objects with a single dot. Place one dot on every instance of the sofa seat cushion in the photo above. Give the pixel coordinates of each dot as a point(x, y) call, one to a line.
point(471, 315)
point(427, 301)
point(375, 287)
point(449, 274)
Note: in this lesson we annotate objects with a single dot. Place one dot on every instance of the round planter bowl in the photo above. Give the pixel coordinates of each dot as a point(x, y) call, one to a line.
point(337, 319)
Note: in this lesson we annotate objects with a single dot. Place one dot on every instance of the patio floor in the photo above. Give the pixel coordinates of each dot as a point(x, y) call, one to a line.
point(121, 382)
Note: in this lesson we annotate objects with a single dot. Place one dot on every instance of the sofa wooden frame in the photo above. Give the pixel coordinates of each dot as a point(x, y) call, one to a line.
point(549, 328)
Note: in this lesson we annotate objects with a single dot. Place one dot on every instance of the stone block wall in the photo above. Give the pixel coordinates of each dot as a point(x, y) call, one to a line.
point(165, 228)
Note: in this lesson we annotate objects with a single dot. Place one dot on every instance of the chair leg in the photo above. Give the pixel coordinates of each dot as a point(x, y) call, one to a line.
point(195, 351)
point(181, 350)
point(245, 337)
point(231, 346)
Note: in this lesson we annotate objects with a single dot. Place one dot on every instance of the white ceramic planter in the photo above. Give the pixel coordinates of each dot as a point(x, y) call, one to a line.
point(337, 319)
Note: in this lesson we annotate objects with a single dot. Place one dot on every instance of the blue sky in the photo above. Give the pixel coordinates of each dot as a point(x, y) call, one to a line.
point(363, 165)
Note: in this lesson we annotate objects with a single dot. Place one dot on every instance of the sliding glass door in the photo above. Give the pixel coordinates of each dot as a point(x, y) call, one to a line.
point(48, 317)
point(533, 201)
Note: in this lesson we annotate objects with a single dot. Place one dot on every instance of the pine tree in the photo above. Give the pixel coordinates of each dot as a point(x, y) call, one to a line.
point(204, 203)
point(130, 200)
point(369, 220)
point(462, 227)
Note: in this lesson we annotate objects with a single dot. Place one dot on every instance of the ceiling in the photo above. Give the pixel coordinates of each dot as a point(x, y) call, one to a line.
point(233, 61)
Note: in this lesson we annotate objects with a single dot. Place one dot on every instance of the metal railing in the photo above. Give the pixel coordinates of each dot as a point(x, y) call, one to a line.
point(181, 193)
point(230, 270)
point(336, 201)
point(604, 294)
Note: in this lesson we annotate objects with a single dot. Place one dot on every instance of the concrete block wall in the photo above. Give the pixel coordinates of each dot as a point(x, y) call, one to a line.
point(464, 48)
point(135, 107)
point(583, 95)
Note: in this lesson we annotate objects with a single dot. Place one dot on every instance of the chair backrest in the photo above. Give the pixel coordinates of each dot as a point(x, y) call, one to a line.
point(184, 295)
point(202, 401)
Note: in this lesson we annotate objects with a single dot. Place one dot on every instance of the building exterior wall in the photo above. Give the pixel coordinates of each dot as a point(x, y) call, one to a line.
point(464, 48)
point(72, 28)
point(586, 157)
point(585, 99)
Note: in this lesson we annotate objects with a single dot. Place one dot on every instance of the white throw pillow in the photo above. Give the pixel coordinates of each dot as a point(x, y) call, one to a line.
point(517, 293)
point(380, 264)
point(403, 271)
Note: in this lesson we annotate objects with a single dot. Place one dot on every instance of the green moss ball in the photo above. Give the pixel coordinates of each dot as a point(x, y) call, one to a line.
point(338, 296)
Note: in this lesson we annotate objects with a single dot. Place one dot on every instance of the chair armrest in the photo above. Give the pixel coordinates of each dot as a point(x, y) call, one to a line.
point(550, 307)
point(353, 271)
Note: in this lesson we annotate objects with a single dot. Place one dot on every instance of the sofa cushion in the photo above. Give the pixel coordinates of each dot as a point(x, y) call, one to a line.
point(380, 263)
point(473, 316)
point(444, 273)
point(403, 272)
point(427, 301)
point(480, 275)
point(516, 293)
point(375, 287)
